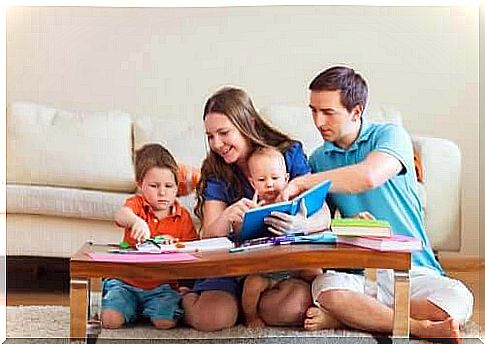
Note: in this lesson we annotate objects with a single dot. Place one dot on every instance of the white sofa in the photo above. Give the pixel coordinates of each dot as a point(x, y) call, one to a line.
point(68, 172)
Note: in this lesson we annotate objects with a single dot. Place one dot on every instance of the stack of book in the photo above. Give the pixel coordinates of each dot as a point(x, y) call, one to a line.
point(361, 227)
point(372, 234)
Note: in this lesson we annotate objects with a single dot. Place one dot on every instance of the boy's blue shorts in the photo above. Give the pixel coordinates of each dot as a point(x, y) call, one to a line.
point(231, 285)
point(158, 303)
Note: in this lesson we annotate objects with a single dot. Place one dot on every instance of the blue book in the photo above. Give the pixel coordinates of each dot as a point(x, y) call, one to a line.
point(253, 225)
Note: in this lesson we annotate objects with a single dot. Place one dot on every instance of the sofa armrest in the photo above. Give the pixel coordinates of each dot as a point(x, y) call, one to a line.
point(441, 163)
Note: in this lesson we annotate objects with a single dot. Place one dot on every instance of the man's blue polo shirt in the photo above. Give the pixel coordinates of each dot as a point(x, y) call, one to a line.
point(396, 200)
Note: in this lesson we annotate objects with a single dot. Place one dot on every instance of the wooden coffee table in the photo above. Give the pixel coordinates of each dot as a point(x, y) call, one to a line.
point(86, 274)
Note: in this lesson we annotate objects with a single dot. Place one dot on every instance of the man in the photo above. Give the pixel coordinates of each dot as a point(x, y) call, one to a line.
point(372, 170)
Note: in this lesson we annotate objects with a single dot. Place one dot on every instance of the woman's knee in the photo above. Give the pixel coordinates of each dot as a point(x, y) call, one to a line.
point(112, 319)
point(213, 311)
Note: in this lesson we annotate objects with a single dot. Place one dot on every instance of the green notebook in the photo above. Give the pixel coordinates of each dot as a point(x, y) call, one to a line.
point(361, 227)
point(352, 222)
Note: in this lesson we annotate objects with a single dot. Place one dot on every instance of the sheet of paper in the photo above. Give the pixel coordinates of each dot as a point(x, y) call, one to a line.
point(141, 258)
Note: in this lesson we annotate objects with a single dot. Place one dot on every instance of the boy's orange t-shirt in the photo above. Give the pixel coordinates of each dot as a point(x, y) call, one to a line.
point(178, 224)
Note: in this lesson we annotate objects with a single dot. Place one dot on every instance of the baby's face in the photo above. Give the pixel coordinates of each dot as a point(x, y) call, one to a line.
point(268, 177)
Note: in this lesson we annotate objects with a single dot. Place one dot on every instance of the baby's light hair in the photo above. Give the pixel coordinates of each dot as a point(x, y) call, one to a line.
point(266, 152)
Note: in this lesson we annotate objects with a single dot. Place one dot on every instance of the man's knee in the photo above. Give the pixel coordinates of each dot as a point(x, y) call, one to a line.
point(328, 299)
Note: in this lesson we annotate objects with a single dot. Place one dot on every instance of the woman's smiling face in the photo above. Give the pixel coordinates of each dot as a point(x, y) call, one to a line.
point(225, 139)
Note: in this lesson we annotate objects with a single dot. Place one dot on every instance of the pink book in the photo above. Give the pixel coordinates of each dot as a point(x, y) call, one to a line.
point(142, 258)
point(394, 243)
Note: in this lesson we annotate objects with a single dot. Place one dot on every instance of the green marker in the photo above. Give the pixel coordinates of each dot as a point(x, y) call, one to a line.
point(124, 244)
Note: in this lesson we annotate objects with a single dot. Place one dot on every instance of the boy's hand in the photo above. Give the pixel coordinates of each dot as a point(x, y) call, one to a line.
point(139, 230)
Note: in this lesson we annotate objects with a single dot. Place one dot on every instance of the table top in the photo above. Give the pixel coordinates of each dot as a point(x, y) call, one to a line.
point(224, 263)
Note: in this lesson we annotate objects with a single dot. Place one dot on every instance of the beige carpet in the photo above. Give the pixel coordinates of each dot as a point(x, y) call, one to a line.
point(53, 322)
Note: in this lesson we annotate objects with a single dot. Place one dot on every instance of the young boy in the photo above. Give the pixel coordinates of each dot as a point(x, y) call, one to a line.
point(268, 176)
point(153, 212)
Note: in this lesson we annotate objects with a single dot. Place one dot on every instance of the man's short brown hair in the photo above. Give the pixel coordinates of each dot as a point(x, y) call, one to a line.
point(352, 86)
point(154, 155)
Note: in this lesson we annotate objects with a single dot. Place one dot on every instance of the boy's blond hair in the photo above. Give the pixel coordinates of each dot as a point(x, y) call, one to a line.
point(154, 155)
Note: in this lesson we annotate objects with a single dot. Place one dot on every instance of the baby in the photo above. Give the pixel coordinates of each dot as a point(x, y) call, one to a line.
point(268, 176)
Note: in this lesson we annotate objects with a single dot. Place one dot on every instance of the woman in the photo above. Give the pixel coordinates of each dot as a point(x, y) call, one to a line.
point(234, 129)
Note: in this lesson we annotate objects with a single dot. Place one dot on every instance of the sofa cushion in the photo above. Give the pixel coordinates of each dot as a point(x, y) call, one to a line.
point(48, 146)
point(184, 139)
point(295, 121)
point(64, 202)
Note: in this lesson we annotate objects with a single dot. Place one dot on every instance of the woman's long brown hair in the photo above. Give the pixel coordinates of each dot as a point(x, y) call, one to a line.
point(239, 109)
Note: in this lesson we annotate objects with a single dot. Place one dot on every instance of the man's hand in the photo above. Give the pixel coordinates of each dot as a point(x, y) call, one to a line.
point(140, 230)
point(364, 215)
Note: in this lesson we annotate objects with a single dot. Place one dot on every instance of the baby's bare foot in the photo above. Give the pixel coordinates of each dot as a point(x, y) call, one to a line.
point(318, 319)
point(255, 322)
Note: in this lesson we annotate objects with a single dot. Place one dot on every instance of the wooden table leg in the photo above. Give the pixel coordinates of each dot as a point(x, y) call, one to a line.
point(401, 305)
point(94, 316)
point(79, 308)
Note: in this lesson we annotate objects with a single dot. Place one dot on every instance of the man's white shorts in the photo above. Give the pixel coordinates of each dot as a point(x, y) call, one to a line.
point(449, 294)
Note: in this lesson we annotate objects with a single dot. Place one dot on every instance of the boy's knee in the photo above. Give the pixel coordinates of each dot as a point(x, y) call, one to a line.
point(112, 319)
point(164, 324)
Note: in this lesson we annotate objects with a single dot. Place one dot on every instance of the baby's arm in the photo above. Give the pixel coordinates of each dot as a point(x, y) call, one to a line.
point(125, 217)
point(254, 286)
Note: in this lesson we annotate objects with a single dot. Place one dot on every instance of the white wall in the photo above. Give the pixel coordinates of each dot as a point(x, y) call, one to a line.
point(422, 61)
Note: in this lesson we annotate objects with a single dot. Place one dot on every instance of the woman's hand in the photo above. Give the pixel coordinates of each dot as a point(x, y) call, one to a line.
point(235, 212)
point(281, 223)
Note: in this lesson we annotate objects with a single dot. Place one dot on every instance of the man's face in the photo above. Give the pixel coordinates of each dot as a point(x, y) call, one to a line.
point(334, 122)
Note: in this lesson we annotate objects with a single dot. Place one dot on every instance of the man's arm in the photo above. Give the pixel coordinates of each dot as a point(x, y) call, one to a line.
point(373, 171)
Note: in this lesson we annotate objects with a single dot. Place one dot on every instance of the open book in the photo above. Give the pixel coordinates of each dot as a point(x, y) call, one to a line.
point(211, 244)
point(253, 225)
